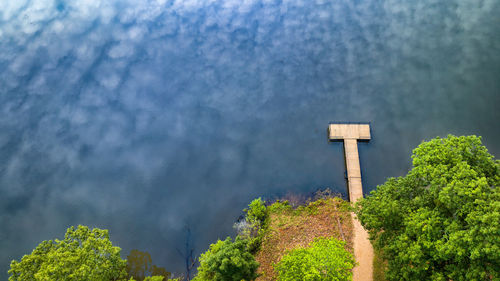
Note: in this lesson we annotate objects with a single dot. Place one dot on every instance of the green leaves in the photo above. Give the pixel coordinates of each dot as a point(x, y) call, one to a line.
point(440, 221)
point(140, 265)
point(84, 254)
point(256, 212)
point(254, 225)
point(227, 261)
point(324, 259)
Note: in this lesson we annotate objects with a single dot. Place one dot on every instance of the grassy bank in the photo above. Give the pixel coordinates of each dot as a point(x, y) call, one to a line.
point(288, 228)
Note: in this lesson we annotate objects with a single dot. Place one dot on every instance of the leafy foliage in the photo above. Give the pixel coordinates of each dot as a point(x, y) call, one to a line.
point(227, 261)
point(324, 259)
point(280, 206)
point(84, 254)
point(140, 264)
point(153, 278)
point(441, 220)
point(157, 271)
point(157, 278)
point(256, 212)
point(254, 225)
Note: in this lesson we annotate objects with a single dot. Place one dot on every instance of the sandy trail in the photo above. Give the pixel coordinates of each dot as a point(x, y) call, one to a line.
point(363, 252)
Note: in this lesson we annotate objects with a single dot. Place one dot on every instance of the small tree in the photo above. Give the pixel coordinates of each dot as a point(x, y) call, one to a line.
point(140, 266)
point(254, 225)
point(227, 261)
point(324, 259)
point(84, 254)
point(256, 212)
point(441, 220)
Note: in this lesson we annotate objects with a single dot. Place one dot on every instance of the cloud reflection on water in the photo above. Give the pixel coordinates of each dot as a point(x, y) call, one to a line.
point(145, 118)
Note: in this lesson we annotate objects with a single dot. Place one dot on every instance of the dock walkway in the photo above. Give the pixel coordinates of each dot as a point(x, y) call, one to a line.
point(350, 134)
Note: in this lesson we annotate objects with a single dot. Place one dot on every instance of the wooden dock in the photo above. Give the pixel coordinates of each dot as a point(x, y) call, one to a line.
point(350, 134)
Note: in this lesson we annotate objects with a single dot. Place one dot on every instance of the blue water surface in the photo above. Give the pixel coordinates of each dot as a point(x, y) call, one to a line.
point(149, 118)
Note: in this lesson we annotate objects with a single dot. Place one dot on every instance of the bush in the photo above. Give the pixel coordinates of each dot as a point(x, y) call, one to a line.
point(227, 261)
point(256, 212)
point(254, 225)
point(324, 259)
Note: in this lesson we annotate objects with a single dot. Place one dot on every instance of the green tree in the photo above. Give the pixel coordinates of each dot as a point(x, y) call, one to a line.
point(83, 254)
point(160, 272)
point(140, 265)
point(227, 261)
point(441, 220)
point(325, 259)
point(256, 212)
point(254, 225)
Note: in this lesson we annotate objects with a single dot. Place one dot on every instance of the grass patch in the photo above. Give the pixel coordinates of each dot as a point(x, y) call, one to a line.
point(290, 227)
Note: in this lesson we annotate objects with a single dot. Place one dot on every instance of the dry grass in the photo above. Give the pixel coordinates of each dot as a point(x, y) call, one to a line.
point(290, 228)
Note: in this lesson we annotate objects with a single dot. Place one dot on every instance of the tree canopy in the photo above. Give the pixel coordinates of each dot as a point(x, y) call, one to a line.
point(140, 266)
point(256, 212)
point(227, 261)
point(441, 220)
point(325, 259)
point(83, 254)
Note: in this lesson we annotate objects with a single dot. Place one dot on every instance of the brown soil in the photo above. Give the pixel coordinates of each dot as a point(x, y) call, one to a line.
point(290, 228)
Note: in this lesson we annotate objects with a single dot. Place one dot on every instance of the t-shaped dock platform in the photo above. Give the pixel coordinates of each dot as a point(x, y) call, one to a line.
point(350, 134)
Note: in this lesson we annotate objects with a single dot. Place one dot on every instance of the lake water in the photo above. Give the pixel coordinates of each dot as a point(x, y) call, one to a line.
point(152, 119)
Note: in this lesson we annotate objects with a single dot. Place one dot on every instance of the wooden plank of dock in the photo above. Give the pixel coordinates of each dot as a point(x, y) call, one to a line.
point(353, 169)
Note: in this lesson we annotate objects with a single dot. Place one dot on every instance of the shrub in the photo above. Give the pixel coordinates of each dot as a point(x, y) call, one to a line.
point(227, 261)
point(256, 212)
point(324, 259)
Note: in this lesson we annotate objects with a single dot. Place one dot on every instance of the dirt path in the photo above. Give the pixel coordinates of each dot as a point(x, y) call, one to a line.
point(363, 252)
